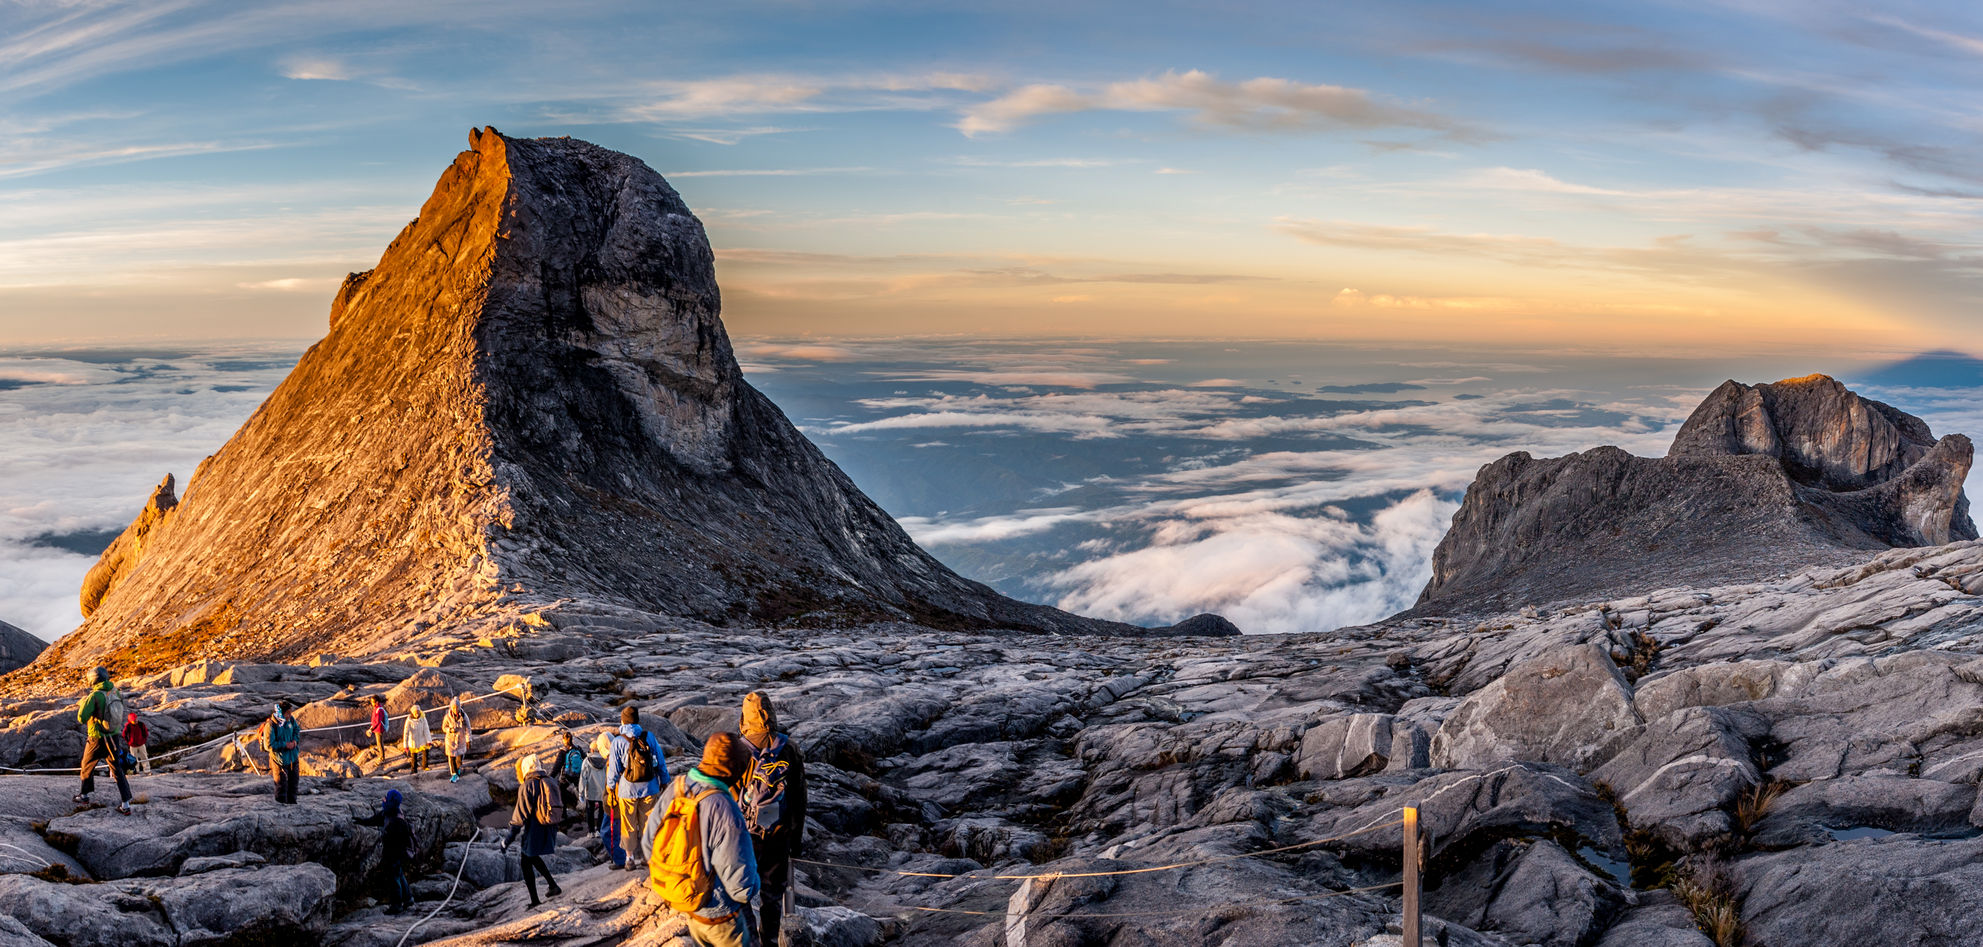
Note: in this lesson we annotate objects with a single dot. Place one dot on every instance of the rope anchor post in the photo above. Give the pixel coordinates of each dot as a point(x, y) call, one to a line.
point(1412, 937)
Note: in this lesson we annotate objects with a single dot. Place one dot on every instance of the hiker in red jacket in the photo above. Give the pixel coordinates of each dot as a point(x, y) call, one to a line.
point(378, 728)
point(135, 737)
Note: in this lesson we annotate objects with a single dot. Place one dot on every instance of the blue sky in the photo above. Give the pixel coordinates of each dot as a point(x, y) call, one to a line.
point(1795, 177)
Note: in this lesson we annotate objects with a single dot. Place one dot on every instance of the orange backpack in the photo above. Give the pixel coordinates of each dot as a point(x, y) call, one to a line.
point(677, 871)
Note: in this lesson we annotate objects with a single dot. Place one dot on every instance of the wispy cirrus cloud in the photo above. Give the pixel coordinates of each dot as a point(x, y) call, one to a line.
point(1261, 104)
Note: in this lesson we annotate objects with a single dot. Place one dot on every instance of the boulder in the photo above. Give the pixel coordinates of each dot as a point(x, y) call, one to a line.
point(1569, 706)
point(1900, 890)
point(1530, 893)
point(1806, 813)
point(1341, 747)
point(17, 647)
point(1680, 775)
point(225, 908)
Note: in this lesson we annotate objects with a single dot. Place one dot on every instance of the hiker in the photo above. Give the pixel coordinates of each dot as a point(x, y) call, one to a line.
point(702, 862)
point(377, 728)
point(98, 710)
point(635, 771)
point(396, 838)
point(571, 763)
point(415, 737)
point(283, 739)
point(537, 815)
point(525, 713)
point(136, 735)
point(454, 737)
point(592, 782)
point(773, 798)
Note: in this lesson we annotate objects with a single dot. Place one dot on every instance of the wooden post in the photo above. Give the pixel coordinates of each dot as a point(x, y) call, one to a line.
point(1412, 937)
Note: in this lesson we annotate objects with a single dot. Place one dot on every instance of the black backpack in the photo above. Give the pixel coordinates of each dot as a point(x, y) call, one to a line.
point(640, 760)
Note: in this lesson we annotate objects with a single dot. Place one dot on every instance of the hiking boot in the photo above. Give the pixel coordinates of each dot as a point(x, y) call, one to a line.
point(455, 778)
point(554, 892)
point(394, 912)
point(123, 808)
point(81, 799)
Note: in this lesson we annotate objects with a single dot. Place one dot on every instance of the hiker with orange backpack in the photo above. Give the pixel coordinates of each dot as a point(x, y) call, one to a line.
point(773, 798)
point(701, 863)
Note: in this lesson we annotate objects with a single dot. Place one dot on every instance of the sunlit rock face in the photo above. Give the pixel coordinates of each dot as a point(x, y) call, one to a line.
point(530, 399)
point(1761, 480)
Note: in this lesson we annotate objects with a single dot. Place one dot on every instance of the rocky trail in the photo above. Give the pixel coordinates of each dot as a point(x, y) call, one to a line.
point(1610, 773)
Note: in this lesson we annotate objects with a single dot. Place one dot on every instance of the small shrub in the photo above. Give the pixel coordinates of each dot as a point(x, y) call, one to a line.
point(1709, 893)
point(1752, 806)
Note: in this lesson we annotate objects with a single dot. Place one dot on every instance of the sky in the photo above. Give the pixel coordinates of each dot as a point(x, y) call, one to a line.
point(1674, 179)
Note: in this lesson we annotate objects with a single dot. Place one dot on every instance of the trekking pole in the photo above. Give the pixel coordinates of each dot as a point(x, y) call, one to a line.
point(1412, 937)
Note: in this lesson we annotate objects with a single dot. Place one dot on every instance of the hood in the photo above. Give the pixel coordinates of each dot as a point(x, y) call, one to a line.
point(759, 720)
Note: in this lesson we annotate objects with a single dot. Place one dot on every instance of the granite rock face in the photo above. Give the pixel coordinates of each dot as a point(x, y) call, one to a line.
point(531, 398)
point(1761, 480)
point(17, 647)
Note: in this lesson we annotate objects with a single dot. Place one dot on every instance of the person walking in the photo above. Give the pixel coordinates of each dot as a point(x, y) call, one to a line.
point(772, 796)
point(415, 736)
point(702, 860)
point(592, 782)
point(283, 739)
point(396, 840)
point(136, 735)
point(454, 737)
point(377, 728)
point(536, 817)
point(635, 772)
point(571, 765)
point(98, 712)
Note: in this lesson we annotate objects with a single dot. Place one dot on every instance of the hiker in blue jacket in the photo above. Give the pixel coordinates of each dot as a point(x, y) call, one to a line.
point(396, 841)
point(724, 919)
point(635, 754)
point(283, 739)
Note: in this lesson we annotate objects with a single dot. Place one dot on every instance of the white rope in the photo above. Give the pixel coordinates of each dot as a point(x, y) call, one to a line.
point(465, 849)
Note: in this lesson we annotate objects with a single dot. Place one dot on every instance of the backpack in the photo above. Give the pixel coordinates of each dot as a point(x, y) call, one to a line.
point(640, 760)
point(764, 789)
point(550, 808)
point(677, 872)
point(574, 761)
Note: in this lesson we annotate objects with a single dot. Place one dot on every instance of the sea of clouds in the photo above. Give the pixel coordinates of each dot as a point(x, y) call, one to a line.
point(1288, 486)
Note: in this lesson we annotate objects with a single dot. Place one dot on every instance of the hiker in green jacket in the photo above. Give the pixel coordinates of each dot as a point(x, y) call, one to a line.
point(99, 711)
point(283, 738)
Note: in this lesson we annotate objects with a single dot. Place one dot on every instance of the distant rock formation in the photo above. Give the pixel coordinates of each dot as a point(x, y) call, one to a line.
point(530, 399)
point(1762, 479)
point(17, 647)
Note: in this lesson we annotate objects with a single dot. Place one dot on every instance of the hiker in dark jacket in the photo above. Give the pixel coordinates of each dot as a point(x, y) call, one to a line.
point(136, 735)
point(284, 740)
point(773, 799)
point(536, 817)
point(396, 838)
point(97, 712)
point(571, 763)
point(724, 919)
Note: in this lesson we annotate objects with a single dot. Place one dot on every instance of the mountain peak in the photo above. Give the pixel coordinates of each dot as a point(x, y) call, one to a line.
point(530, 399)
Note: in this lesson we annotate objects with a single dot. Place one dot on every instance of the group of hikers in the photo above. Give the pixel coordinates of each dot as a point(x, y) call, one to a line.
point(714, 841)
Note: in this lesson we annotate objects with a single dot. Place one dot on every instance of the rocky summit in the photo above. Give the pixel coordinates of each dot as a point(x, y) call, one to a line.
point(531, 399)
point(477, 501)
point(1762, 479)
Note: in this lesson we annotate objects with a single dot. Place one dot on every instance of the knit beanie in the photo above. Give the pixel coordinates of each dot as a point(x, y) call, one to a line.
point(724, 758)
point(629, 714)
point(759, 722)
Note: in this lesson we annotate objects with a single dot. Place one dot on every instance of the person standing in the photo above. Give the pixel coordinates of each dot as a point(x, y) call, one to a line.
point(634, 772)
point(592, 782)
point(136, 735)
point(97, 712)
point(773, 799)
point(415, 736)
point(454, 737)
point(703, 865)
point(283, 739)
point(396, 840)
point(536, 817)
point(377, 728)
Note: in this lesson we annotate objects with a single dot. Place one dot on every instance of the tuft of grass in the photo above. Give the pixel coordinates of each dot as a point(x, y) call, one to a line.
point(1709, 893)
point(1753, 805)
